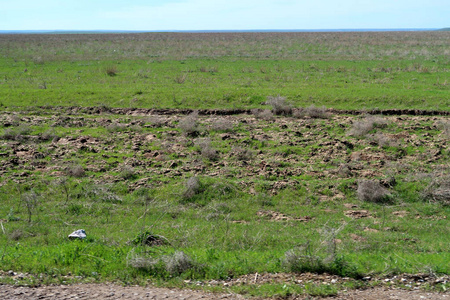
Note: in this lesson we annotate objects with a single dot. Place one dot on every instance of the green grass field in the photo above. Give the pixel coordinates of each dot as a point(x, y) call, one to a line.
point(339, 70)
point(175, 199)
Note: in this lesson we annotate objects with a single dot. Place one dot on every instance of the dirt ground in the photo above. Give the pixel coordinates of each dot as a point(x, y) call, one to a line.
point(111, 291)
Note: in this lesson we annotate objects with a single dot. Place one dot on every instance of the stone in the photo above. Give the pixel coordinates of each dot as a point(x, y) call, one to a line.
point(78, 234)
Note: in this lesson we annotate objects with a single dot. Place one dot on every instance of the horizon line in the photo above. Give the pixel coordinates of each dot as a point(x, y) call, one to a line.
point(42, 31)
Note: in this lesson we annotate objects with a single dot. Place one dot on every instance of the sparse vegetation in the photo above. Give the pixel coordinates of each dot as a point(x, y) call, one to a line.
point(372, 191)
point(186, 198)
point(364, 126)
point(189, 124)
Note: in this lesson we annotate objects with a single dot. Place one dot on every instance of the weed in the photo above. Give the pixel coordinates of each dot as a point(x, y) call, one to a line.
point(206, 149)
point(180, 79)
point(364, 126)
point(222, 125)
point(30, 200)
point(48, 135)
point(263, 114)
point(75, 171)
point(116, 127)
point(189, 124)
point(111, 70)
point(16, 235)
point(147, 238)
point(438, 190)
point(242, 154)
point(372, 191)
point(127, 172)
point(177, 263)
point(279, 105)
point(382, 140)
point(192, 188)
point(101, 193)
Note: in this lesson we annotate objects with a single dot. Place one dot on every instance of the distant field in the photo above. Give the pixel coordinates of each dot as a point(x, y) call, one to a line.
point(356, 70)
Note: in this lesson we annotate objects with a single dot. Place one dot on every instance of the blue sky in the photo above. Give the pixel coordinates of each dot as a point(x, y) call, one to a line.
point(221, 14)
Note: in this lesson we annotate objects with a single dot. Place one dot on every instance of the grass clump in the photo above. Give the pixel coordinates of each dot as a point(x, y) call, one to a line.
point(263, 114)
point(222, 125)
point(372, 191)
point(279, 105)
point(206, 149)
point(438, 191)
point(111, 71)
point(168, 265)
point(75, 171)
point(364, 126)
point(304, 259)
point(189, 124)
point(312, 112)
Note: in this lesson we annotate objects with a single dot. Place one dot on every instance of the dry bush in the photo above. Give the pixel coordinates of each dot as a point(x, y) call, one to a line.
point(382, 140)
point(242, 154)
point(263, 114)
point(127, 172)
point(445, 127)
point(372, 191)
point(189, 124)
point(362, 127)
point(279, 105)
point(222, 125)
point(438, 190)
point(206, 149)
point(16, 235)
point(75, 171)
point(154, 121)
point(192, 187)
point(116, 127)
point(111, 71)
point(177, 263)
point(49, 135)
point(312, 112)
point(180, 79)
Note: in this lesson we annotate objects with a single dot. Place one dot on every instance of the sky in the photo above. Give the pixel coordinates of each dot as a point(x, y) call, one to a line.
point(160, 15)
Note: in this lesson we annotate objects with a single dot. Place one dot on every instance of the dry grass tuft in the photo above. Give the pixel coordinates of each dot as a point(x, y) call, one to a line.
point(189, 124)
point(364, 126)
point(279, 105)
point(372, 191)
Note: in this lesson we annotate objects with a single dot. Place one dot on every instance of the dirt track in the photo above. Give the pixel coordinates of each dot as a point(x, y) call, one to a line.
point(110, 291)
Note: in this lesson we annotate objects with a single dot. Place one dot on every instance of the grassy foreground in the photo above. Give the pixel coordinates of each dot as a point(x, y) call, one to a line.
point(180, 199)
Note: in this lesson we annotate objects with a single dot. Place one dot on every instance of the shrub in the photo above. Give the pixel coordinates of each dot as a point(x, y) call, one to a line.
point(222, 125)
point(382, 140)
point(127, 172)
point(189, 124)
point(279, 105)
point(75, 171)
point(177, 263)
point(263, 114)
point(312, 112)
point(242, 154)
point(111, 71)
point(172, 264)
point(362, 127)
point(206, 149)
point(101, 193)
point(180, 79)
point(192, 188)
point(149, 239)
point(438, 190)
point(372, 191)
